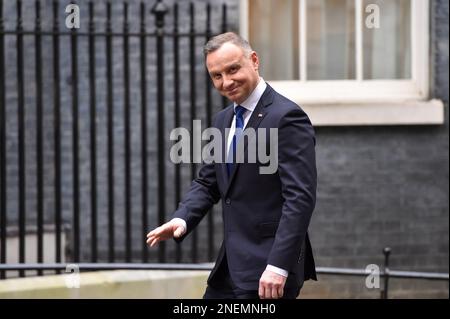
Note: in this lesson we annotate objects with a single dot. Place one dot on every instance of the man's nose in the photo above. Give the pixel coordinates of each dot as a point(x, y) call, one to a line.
point(227, 82)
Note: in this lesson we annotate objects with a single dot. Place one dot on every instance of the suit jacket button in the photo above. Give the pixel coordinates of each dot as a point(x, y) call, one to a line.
point(228, 201)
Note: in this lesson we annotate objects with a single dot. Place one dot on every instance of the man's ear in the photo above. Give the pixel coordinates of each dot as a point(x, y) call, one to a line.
point(255, 60)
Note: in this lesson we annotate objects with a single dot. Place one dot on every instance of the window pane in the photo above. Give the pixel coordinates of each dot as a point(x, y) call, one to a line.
point(273, 32)
point(331, 39)
point(387, 49)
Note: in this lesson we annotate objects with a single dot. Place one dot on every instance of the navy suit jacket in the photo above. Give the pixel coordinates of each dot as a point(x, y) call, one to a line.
point(265, 217)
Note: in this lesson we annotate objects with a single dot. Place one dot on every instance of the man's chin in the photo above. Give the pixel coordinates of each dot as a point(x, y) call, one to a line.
point(234, 98)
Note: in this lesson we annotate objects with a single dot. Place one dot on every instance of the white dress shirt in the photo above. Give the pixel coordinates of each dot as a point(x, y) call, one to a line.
point(249, 104)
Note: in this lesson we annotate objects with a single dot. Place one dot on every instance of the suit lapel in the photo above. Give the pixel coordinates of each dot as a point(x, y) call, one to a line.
point(257, 116)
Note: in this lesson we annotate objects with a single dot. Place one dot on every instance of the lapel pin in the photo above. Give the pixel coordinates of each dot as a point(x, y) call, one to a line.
point(260, 115)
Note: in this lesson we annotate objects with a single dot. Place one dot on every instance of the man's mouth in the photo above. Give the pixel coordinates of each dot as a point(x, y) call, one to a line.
point(233, 91)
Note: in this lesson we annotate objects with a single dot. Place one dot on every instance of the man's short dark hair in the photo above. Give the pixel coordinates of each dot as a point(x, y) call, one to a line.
point(216, 42)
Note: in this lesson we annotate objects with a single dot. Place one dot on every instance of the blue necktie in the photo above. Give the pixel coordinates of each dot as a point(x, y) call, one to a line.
point(239, 111)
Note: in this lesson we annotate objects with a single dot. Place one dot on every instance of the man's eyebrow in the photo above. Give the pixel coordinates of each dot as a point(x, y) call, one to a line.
point(234, 65)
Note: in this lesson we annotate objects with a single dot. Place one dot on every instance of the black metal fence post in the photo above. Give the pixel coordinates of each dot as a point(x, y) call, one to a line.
point(144, 186)
point(126, 67)
point(384, 292)
point(176, 92)
point(208, 124)
point(160, 10)
point(2, 146)
point(93, 132)
point(75, 146)
point(21, 134)
point(57, 133)
point(39, 139)
point(110, 133)
point(192, 109)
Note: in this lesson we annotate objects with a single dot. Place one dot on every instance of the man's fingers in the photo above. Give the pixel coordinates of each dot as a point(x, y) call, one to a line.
point(164, 232)
point(153, 239)
point(150, 239)
point(261, 291)
point(158, 231)
point(271, 285)
point(275, 294)
point(154, 242)
point(280, 292)
point(154, 232)
point(268, 292)
point(265, 290)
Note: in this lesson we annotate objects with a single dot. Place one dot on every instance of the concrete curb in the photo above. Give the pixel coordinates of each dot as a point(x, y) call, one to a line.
point(136, 284)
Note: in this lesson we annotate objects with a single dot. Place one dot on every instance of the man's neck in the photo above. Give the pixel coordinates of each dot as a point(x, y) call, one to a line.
point(251, 100)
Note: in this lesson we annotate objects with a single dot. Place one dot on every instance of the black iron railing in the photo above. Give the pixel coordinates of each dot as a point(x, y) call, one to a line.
point(161, 34)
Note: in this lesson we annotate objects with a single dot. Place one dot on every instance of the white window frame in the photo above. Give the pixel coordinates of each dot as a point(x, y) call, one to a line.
point(359, 101)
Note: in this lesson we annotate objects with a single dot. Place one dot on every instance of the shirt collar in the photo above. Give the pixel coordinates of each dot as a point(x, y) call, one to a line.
point(253, 99)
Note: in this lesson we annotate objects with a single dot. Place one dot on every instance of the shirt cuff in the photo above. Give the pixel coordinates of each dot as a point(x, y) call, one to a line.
point(277, 270)
point(181, 222)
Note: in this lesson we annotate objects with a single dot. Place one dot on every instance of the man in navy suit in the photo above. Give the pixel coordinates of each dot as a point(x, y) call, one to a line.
point(266, 251)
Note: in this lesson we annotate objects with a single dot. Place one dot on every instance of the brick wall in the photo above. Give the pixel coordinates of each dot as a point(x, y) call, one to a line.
point(387, 186)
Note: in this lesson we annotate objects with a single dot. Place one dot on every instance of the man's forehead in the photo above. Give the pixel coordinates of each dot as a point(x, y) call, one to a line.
point(227, 55)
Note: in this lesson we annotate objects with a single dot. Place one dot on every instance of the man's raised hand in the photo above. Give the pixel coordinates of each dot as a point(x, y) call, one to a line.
point(173, 228)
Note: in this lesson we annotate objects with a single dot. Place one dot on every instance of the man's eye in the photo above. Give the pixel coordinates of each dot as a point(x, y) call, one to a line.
point(233, 70)
point(217, 76)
